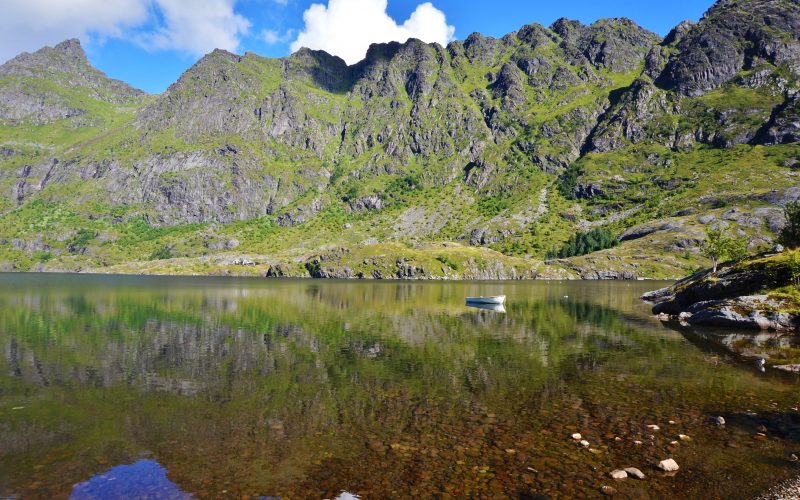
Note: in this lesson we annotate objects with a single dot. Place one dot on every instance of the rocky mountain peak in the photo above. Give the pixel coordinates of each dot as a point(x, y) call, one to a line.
point(617, 44)
point(733, 36)
point(66, 57)
point(39, 87)
point(71, 47)
point(677, 33)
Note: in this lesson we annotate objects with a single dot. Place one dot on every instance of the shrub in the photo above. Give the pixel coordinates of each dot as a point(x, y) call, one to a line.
point(492, 205)
point(80, 240)
point(569, 179)
point(790, 234)
point(794, 267)
point(447, 261)
point(583, 243)
point(165, 252)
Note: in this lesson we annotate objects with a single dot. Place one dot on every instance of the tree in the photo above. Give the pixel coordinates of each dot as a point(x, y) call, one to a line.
point(794, 267)
point(719, 247)
point(737, 249)
point(790, 234)
point(714, 247)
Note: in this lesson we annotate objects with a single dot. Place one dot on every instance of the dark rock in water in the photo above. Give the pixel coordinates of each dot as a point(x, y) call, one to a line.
point(735, 296)
point(276, 271)
point(751, 312)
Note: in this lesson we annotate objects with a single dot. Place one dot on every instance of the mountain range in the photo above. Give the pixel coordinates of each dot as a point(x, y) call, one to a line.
point(482, 159)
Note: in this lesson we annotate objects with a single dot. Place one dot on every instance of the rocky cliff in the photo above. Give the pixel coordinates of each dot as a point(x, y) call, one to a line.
point(514, 144)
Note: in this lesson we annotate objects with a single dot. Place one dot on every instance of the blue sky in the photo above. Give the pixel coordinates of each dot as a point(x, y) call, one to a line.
point(149, 43)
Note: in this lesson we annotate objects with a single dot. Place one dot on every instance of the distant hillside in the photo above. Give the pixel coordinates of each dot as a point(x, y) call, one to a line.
point(474, 160)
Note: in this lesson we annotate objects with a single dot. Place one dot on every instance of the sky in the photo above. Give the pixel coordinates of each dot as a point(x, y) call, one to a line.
point(149, 43)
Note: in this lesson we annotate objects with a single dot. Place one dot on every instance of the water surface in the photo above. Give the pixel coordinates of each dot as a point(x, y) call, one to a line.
point(216, 387)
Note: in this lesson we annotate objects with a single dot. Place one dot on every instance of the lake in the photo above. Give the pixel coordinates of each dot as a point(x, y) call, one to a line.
point(212, 387)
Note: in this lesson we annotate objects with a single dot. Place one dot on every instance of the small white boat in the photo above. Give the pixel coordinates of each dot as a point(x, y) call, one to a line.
point(497, 299)
point(500, 308)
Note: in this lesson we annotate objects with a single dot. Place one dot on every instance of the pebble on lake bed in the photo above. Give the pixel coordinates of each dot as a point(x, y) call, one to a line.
point(718, 420)
point(577, 436)
point(653, 427)
point(634, 472)
point(618, 474)
point(684, 437)
point(668, 465)
point(608, 490)
point(584, 443)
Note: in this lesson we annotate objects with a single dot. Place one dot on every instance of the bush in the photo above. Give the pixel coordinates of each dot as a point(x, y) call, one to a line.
point(165, 252)
point(568, 181)
point(80, 240)
point(790, 234)
point(583, 243)
point(794, 267)
point(447, 261)
point(492, 205)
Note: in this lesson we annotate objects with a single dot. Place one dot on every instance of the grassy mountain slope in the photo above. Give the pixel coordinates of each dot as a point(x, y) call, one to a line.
point(474, 160)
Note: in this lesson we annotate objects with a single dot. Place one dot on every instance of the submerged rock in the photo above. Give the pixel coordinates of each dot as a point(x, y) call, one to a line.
point(618, 474)
point(668, 465)
point(635, 473)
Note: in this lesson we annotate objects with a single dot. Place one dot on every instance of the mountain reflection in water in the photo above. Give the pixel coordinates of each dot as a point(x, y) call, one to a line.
point(293, 388)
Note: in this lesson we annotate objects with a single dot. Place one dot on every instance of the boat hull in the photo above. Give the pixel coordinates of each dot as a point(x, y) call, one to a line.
point(500, 299)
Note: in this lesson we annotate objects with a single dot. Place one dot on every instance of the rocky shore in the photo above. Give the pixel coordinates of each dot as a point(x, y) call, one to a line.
point(758, 293)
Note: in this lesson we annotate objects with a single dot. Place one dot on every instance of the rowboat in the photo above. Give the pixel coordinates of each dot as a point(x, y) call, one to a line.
point(497, 299)
point(500, 308)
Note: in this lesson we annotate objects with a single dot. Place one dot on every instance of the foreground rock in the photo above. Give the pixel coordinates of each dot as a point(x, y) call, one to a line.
point(668, 465)
point(753, 294)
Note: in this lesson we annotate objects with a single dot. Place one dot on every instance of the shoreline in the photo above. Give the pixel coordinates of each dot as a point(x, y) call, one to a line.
point(784, 490)
point(98, 272)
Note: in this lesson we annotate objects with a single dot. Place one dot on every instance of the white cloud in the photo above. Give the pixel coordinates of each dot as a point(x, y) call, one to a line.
point(196, 26)
point(27, 25)
point(346, 28)
point(273, 37)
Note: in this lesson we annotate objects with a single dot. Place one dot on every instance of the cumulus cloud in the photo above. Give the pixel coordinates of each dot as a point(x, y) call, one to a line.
point(273, 37)
point(195, 27)
point(346, 28)
point(27, 25)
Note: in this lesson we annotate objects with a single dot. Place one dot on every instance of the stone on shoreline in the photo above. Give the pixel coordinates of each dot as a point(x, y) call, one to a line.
point(634, 472)
point(618, 474)
point(668, 465)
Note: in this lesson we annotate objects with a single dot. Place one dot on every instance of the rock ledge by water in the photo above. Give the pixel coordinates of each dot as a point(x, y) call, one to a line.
point(758, 294)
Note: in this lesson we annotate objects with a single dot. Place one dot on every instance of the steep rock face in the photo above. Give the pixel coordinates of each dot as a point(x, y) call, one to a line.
point(630, 118)
point(784, 126)
point(729, 79)
point(45, 86)
point(615, 44)
point(734, 35)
